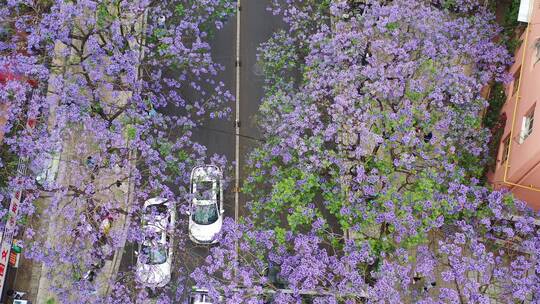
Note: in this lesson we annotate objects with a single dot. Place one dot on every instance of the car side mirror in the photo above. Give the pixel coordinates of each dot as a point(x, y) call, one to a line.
point(188, 212)
point(222, 211)
point(136, 252)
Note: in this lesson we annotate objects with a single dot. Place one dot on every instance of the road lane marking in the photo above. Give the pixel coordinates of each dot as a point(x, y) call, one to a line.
point(237, 118)
point(237, 126)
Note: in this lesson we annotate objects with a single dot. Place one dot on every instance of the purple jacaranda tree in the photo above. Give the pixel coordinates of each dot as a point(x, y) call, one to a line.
point(111, 101)
point(368, 186)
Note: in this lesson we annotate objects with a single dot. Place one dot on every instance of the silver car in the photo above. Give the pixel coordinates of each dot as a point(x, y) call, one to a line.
point(206, 206)
point(154, 255)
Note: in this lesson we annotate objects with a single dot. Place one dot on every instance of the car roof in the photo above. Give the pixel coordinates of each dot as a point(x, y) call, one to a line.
point(156, 221)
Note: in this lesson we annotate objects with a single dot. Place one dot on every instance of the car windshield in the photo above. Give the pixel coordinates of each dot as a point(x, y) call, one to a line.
point(204, 190)
point(159, 209)
point(205, 214)
point(154, 254)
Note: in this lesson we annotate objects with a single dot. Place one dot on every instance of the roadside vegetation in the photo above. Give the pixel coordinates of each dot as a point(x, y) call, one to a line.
point(368, 186)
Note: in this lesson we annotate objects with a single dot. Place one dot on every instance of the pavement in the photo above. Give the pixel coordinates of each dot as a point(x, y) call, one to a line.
point(57, 222)
point(31, 277)
point(26, 276)
point(35, 278)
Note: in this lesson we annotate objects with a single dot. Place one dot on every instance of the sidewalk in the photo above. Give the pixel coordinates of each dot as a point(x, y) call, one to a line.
point(57, 221)
point(35, 278)
point(51, 221)
point(26, 276)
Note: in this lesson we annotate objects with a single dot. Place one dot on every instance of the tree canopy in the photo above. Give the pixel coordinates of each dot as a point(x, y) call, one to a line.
point(367, 188)
point(120, 87)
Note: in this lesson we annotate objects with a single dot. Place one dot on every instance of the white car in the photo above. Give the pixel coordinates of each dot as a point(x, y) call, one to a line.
point(206, 207)
point(154, 256)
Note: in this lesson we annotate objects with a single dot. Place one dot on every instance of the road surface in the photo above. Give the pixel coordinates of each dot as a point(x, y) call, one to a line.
point(256, 26)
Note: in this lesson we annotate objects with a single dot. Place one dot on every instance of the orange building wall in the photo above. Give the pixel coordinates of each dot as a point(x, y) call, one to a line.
point(524, 158)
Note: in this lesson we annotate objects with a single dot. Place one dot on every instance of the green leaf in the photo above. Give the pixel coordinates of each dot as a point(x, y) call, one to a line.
point(103, 16)
point(182, 155)
point(165, 148)
point(392, 26)
point(131, 132)
point(280, 235)
point(414, 96)
point(162, 48)
point(179, 10)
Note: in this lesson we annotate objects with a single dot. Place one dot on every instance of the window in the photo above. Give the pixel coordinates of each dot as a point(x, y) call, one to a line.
point(505, 147)
point(204, 190)
point(218, 195)
point(157, 209)
point(516, 81)
point(153, 253)
point(205, 214)
point(527, 125)
point(537, 52)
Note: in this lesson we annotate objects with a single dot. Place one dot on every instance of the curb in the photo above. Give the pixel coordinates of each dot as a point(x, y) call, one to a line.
point(117, 258)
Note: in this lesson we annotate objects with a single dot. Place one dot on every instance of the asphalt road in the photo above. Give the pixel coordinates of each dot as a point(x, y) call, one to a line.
point(256, 26)
point(218, 136)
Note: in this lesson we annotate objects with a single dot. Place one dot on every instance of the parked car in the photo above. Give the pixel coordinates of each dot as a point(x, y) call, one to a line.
point(155, 253)
point(206, 207)
point(200, 296)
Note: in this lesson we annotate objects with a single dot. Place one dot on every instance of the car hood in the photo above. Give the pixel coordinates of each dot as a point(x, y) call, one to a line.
point(154, 275)
point(205, 233)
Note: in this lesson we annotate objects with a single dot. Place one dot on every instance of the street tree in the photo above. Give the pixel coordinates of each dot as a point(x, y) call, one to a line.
point(367, 188)
point(107, 72)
